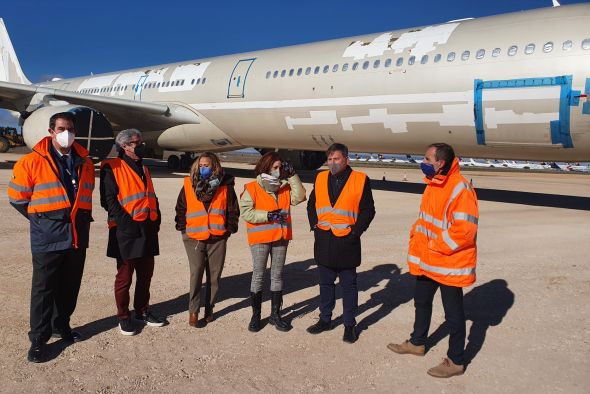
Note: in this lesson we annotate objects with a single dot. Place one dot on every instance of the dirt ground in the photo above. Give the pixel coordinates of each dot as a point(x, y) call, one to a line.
point(527, 314)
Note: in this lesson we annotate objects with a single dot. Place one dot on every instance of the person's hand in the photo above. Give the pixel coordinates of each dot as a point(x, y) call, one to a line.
point(277, 216)
point(288, 170)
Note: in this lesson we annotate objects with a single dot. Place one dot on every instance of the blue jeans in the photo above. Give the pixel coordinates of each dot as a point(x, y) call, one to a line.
point(328, 293)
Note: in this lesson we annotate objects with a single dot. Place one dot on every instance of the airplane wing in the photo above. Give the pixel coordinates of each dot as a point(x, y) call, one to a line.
point(121, 113)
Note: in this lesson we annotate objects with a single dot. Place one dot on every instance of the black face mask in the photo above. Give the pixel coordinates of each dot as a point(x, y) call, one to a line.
point(140, 150)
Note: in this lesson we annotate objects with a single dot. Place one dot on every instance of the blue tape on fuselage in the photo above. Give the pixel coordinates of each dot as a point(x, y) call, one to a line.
point(560, 129)
point(586, 106)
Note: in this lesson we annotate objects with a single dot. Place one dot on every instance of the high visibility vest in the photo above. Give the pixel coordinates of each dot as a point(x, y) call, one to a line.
point(200, 223)
point(443, 239)
point(271, 231)
point(136, 198)
point(340, 217)
point(37, 183)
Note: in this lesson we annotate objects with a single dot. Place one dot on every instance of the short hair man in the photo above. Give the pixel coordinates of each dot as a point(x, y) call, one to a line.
point(52, 187)
point(127, 194)
point(442, 254)
point(340, 209)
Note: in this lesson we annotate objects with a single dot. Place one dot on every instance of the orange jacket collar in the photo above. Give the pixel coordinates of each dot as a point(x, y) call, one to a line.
point(42, 147)
point(441, 179)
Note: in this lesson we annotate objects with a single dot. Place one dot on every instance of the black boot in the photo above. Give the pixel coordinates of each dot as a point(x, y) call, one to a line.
point(256, 299)
point(275, 316)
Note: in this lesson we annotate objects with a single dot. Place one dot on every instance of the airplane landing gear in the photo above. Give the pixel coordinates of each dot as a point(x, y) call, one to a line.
point(183, 162)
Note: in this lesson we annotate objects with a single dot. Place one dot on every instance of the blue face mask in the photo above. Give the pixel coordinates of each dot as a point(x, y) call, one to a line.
point(428, 170)
point(205, 172)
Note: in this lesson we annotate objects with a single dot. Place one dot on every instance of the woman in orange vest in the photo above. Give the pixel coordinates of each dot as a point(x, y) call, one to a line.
point(265, 206)
point(207, 214)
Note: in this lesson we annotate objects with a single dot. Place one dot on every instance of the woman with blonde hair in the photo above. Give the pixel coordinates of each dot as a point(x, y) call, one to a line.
point(265, 205)
point(207, 214)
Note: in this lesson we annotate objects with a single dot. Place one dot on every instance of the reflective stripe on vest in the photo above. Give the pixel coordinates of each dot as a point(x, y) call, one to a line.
point(269, 232)
point(200, 224)
point(441, 270)
point(340, 217)
point(136, 198)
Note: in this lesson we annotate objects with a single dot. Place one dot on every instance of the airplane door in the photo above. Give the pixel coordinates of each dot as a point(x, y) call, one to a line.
point(139, 87)
point(237, 80)
point(524, 112)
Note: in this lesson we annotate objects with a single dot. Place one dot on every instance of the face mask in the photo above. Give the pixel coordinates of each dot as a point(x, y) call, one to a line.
point(140, 150)
point(334, 168)
point(65, 139)
point(213, 183)
point(205, 172)
point(428, 170)
point(275, 173)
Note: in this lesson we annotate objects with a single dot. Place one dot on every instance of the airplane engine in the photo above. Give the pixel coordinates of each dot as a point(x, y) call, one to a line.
point(93, 131)
point(303, 159)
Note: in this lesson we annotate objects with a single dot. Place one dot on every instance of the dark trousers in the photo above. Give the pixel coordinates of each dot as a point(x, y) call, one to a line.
point(452, 299)
point(347, 279)
point(54, 291)
point(144, 269)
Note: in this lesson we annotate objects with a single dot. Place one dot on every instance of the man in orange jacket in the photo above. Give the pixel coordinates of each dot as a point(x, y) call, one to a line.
point(442, 253)
point(52, 187)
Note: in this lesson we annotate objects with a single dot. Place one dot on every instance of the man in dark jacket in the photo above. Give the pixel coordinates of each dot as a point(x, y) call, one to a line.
point(52, 187)
point(127, 194)
point(340, 209)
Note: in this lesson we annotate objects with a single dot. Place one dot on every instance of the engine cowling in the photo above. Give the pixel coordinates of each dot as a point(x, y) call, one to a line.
point(302, 159)
point(93, 131)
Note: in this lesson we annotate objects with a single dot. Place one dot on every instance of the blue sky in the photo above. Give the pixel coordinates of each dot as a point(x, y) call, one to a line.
point(74, 38)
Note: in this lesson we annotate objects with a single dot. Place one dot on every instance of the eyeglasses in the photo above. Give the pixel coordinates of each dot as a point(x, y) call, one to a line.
point(136, 143)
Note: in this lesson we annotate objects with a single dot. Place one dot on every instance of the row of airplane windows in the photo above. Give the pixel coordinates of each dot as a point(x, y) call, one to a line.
point(451, 56)
point(150, 85)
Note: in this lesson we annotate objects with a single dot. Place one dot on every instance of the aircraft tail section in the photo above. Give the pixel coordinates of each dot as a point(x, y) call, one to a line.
point(10, 70)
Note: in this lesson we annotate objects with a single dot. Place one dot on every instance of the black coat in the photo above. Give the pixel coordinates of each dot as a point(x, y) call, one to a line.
point(341, 252)
point(129, 239)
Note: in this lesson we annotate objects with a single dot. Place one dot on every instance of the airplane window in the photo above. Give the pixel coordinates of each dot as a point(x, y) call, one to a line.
point(437, 57)
point(465, 55)
point(512, 50)
point(567, 45)
point(167, 83)
point(316, 70)
point(480, 53)
point(299, 71)
point(182, 82)
point(267, 76)
point(399, 61)
point(307, 70)
point(355, 66)
point(203, 81)
point(335, 68)
point(158, 85)
point(424, 59)
point(345, 67)
point(198, 81)
point(283, 73)
point(411, 60)
point(365, 65)
point(387, 63)
point(376, 63)
point(291, 72)
point(451, 56)
point(586, 44)
point(275, 74)
point(530, 48)
point(548, 47)
point(496, 52)
point(326, 68)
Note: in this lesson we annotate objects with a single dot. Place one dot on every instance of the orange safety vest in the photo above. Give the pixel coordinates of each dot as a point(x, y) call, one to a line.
point(259, 233)
point(340, 217)
point(37, 183)
point(200, 223)
point(443, 239)
point(136, 198)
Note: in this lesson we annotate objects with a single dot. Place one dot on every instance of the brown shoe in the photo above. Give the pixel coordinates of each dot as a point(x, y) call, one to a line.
point(407, 348)
point(446, 369)
point(209, 315)
point(193, 319)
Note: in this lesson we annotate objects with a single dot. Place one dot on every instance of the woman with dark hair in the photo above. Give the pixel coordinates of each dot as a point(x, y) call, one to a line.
point(265, 205)
point(207, 214)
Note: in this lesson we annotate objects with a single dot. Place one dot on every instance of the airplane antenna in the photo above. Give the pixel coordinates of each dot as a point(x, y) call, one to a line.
point(555, 3)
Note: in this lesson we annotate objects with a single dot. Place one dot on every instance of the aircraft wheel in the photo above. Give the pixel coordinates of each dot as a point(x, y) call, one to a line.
point(185, 162)
point(4, 145)
point(173, 162)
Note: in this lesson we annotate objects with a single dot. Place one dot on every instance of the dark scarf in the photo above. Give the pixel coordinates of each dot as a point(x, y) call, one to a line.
point(203, 189)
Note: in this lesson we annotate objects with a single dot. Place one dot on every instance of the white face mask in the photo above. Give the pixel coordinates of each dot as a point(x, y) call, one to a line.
point(65, 139)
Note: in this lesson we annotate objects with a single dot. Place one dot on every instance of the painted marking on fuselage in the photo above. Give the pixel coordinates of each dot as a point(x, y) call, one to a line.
point(188, 72)
point(359, 50)
point(493, 118)
point(316, 118)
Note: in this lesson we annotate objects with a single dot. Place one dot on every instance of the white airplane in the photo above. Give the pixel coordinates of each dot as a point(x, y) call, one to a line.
point(512, 86)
